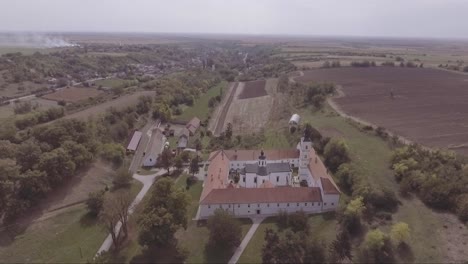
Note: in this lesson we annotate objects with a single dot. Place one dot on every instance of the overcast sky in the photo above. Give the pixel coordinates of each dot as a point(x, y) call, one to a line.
point(404, 18)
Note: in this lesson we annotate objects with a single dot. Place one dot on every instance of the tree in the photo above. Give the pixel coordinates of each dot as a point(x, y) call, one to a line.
point(164, 214)
point(9, 172)
point(144, 104)
point(340, 248)
point(291, 248)
point(375, 240)
point(351, 220)
point(228, 132)
point(95, 202)
point(299, 222)
point(28, 154)
point(166, 159)
point(178, 163)
point(122, 201)
point(109, 217)
point(194, 168)
point(7, 149)
point(80, 155)
point(113, 152)
point(225, 231)
point(336, 153)
point(122, 177)
point(400, 233)
point(345, 176)
point(376, 248)
point(57, 164)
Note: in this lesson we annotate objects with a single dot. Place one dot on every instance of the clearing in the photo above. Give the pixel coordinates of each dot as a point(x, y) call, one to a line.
point(200, 106)
point(72, 94)
point(427, 106)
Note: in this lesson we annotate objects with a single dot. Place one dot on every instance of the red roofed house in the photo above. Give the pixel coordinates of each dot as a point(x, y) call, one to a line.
point(266, 184)
point(193, 125)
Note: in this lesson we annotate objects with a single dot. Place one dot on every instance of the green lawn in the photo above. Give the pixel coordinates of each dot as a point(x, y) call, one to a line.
point(68, 237)
point(323, 228)
point(200, 107)
point(194, 239)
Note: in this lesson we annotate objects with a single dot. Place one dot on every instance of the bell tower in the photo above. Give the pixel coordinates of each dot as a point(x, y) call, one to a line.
point(262, 159)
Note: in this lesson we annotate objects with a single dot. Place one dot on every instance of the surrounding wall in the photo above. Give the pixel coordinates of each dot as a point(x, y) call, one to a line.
point(261, 208)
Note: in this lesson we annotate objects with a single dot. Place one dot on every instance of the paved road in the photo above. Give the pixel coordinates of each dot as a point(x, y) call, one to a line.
point(147, 181)
point(256, 222)
point(138, 156)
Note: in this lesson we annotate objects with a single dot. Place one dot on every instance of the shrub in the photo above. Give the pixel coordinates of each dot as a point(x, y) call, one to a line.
point(336, 153)
point(95, 202)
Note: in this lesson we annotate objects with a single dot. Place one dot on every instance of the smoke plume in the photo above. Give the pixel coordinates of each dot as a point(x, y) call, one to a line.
point(34, 40)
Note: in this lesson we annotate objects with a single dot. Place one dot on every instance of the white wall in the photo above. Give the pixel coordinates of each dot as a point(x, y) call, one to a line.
point(330, 201)
point(264, 208)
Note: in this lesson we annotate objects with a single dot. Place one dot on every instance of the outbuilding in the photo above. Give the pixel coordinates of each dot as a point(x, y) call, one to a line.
point(133, 145)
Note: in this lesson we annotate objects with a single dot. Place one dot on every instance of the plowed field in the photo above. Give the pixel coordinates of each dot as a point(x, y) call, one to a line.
point(427, 106)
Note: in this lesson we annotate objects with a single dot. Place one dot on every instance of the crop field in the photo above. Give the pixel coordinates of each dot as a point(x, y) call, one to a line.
point(247, 106)
point(72, 94)
point(253, 89)
point(427, 106)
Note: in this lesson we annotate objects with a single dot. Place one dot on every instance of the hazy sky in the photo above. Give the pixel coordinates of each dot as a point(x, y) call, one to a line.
point(407, 18)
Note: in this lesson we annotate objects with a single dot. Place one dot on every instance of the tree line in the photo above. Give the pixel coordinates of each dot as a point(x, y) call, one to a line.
point(438, 178)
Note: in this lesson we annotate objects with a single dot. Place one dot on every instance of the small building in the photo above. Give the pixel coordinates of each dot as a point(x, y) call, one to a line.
point(193, 126)
point(154, 148)
point(133, 145)
point(294, 120)
point(182, 142)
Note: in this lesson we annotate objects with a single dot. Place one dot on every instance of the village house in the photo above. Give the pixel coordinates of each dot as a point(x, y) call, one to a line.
point(189, 130)
point(193, 125)
point(154, 148)
point(268, 182)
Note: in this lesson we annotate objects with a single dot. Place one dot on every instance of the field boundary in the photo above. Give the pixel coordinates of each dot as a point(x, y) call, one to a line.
point(337, 108)
point(219, 121)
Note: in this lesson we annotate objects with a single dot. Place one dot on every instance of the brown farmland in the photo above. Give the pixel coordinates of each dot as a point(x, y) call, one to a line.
point(72, 94)
point(248, 114)
point(253, 89)
point(428, 106)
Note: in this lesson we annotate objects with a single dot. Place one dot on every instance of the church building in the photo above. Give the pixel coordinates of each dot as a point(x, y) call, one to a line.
point(265, 182)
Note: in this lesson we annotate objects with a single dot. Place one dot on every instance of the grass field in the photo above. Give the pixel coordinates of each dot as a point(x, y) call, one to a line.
point(69, 237)
point(372, 156)
point(321, 226)
point(200, 107)
point(111, 82)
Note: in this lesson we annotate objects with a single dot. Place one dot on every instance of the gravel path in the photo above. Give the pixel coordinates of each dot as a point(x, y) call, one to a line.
point(147, 181)
point(256, 222)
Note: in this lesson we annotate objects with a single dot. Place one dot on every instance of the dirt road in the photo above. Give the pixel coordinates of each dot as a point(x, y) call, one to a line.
point(219, 122)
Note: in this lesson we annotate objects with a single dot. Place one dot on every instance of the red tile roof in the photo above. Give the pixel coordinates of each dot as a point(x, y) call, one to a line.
point(279, 154)
point(217, 174)
point(320, 173)
point(328, 187)
point(263, 195)
point(193, 125)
